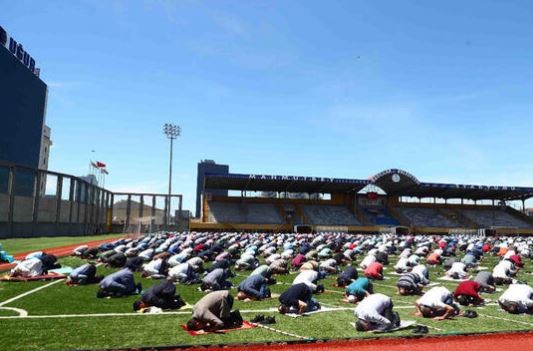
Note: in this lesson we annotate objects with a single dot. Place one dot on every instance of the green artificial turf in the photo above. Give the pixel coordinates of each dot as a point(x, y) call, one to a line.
point(93, 332)
point(15, 246)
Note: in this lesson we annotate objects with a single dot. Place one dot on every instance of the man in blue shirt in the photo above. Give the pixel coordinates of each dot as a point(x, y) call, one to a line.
point(85, 274)
point(253, 288)
point(119, 284)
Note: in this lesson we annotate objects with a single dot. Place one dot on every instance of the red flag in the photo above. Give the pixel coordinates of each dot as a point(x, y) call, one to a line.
point(100, 164)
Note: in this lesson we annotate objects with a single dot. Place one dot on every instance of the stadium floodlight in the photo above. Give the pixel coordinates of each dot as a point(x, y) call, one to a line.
point(172, 131)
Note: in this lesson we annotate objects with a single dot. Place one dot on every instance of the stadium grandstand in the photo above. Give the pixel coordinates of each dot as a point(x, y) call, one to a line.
point(392, 199)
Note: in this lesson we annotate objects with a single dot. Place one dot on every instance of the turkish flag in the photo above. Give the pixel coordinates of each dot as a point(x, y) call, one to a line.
point(100, 164)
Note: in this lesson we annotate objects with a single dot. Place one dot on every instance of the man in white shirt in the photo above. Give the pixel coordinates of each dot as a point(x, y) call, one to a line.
point(402, 266)
point(422, 272)
point(183, 273)
point(437, 303)
point(503, 272)
point(309, 278)
point(457, 271)
point(28, 268)
point(329, 266)
point(518, 298)
point(375, 313)
point(367, 261)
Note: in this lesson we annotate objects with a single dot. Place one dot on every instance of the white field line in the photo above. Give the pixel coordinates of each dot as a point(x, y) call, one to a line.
point(282, 332)
point(335, 309)
point(30, 292)
point(20, 311)
point(506, 319)
point(125, 314)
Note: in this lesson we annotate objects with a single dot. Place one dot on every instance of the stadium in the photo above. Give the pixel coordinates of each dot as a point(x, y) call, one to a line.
point(390, 199)
point(323, 211)
point(268, 261)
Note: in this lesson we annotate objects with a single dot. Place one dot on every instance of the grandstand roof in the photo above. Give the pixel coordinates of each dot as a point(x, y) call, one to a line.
point(392, 181)
point(293, 184)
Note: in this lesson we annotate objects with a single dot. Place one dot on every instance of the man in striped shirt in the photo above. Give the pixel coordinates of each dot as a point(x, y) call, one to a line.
point(409, 284)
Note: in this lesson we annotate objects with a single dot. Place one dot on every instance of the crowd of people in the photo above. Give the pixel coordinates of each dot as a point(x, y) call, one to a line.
point(210, 260)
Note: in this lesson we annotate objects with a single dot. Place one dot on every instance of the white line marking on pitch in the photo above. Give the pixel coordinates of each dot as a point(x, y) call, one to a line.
point(126, 314)
point(30, 292)
point(282, 332)
point(507, 320)
point(20, 311)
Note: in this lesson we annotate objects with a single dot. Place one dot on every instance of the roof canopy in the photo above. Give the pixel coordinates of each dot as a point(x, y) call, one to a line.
point(392, 181)
point(293, 184)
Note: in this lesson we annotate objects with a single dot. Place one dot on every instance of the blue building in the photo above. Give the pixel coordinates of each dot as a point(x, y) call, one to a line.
point(23, 98)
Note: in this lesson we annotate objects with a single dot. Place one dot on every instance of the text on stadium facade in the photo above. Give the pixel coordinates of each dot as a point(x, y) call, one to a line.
point(302, 179)
point(485, 187)
point(18, 51)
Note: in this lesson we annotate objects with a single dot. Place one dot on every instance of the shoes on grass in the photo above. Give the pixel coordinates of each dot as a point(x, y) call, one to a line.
point(258, 319)
point(261, 319)
point(421, 329)
point(470, 314)
point(269, 320)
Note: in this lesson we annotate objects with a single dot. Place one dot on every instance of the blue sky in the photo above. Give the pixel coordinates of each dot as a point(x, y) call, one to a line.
point(442, 89)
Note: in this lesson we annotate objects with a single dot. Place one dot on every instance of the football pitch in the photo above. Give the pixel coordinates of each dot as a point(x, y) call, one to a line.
point(53, 316)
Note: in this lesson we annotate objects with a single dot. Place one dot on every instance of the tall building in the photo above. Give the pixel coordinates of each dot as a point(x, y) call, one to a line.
point(208, 166)
point(23, 98)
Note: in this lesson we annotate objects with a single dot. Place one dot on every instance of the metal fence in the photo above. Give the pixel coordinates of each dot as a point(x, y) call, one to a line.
point(35, 202)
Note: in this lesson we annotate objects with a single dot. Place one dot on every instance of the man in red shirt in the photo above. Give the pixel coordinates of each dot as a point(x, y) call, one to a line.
point(517, 260)
point(467, 293)
point(374, 271)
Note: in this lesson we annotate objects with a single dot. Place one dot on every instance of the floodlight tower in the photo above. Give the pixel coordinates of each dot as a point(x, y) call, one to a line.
point(172, 131)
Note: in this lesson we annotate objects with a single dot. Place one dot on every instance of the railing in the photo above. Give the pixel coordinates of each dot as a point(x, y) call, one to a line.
point(35, 202)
